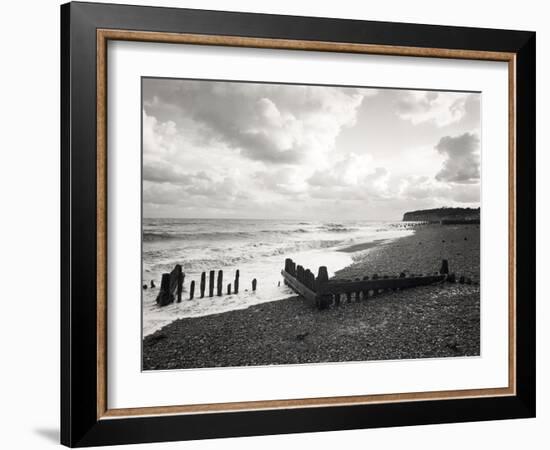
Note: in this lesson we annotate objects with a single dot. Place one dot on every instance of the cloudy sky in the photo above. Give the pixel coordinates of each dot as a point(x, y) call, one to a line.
point(249, 150)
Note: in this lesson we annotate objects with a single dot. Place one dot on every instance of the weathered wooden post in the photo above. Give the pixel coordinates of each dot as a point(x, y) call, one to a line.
point(229, 289)
point(220, 282)
point(179, 289)
point(288, 262)
point(254, 284)
point(357, 293)
point(174, 278)
point(322, 299)
point(211, 284)
point(384, 277)
point(444, 267)
point(375, 291)
point(366, 291)
point(308, 280)
point(167, 287)
point(236, 282)
point(163, 298)
point(192, 290)
point(203, 283)
point(322, 274)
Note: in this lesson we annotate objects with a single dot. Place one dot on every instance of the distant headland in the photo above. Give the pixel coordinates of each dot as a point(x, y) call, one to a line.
point(445, 216)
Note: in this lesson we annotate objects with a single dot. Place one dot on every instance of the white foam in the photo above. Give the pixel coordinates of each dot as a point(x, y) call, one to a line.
point(266, 270)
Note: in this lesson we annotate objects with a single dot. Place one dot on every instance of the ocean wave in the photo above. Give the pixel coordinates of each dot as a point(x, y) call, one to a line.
point(337, 228)
point(149, 236)
point(297, 230)
point(203, 259)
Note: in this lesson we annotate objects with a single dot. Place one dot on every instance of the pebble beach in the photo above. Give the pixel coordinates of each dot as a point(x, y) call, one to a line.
point(436, 321)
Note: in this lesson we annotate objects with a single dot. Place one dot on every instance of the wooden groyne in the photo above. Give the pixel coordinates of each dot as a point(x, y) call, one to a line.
point(171, 286)
point(323, 292)
point(318, 290)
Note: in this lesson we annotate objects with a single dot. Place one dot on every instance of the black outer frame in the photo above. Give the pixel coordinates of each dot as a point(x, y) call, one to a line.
point(79, 424)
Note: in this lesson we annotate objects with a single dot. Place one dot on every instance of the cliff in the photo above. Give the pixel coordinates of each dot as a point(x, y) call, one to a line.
point(444, 215)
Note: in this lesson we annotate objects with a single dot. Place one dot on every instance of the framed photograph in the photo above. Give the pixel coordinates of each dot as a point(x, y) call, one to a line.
point(276, 224)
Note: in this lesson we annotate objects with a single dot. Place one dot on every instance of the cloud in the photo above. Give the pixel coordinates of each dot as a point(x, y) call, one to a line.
point(158, 172)
point(219, 149)
point(437, 193)
point(284, 181)
point(462, 159)
point(276, 124)
point(192, 190)
point(157, 136)
point(440, 108)
point(352, 177)
point(349, 170)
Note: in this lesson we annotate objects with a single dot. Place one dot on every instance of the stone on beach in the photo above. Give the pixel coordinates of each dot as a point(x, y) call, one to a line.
point(408, 323)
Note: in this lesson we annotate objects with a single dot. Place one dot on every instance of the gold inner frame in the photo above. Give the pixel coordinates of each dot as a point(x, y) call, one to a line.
point(104, 35)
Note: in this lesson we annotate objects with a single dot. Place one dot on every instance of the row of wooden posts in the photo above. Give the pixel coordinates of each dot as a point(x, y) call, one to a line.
point(323, 292)
point(171, 285)
point(318, 289)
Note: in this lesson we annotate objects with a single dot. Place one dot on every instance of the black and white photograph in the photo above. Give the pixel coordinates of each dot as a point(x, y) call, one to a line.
point(275, 225)
point(300, 224)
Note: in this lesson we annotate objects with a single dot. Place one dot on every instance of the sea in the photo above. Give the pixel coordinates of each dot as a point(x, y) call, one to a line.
point(257, 248)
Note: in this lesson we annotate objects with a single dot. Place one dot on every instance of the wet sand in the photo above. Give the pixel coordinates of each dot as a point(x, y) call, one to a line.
point(435, 321)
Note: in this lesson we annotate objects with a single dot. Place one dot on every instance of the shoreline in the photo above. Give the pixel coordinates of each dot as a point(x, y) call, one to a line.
point(426, 322)
point(267, 273)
